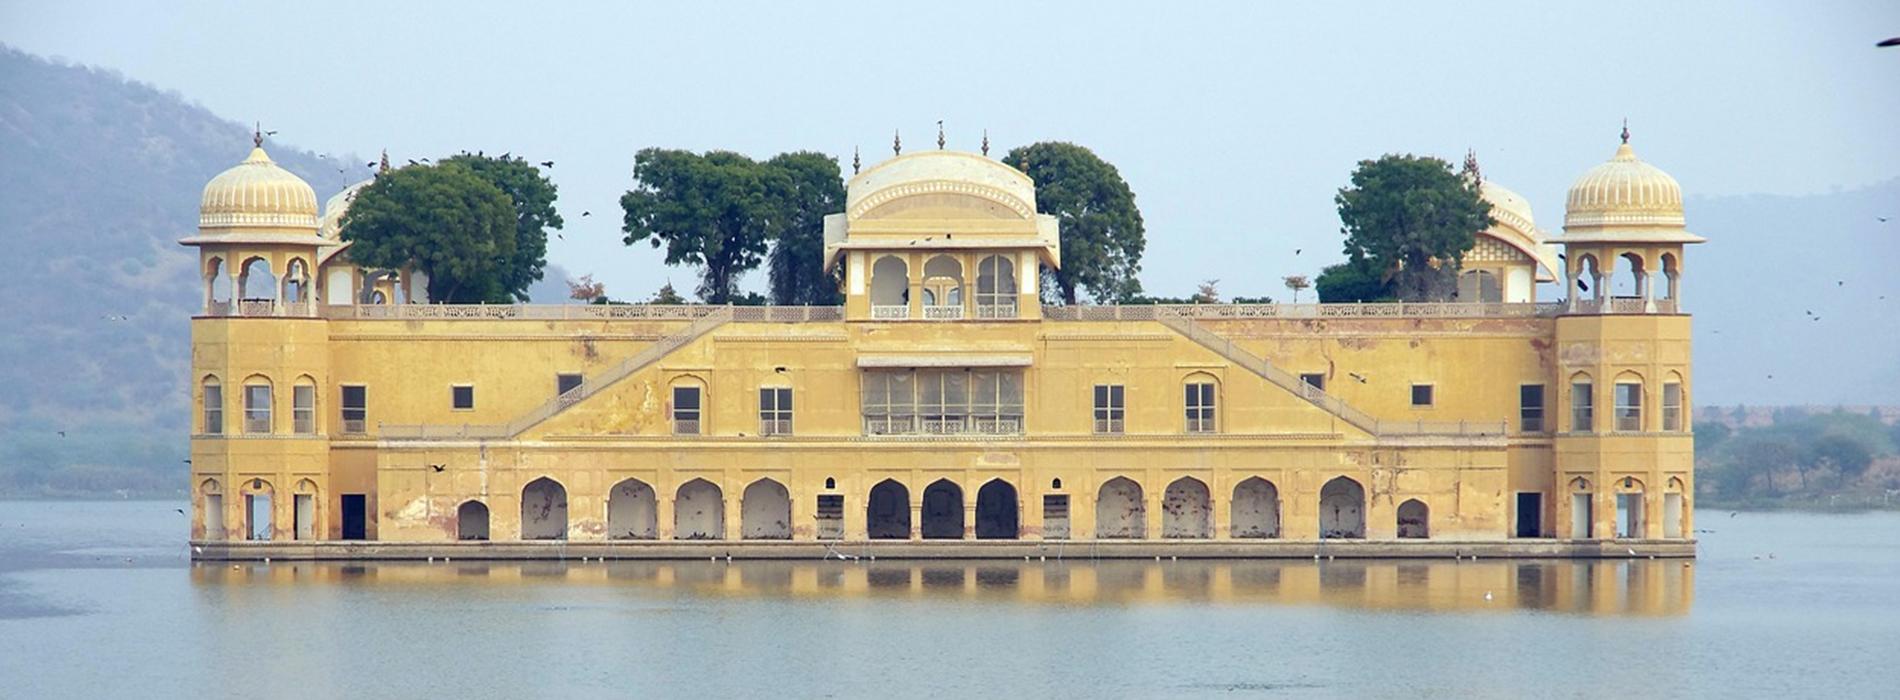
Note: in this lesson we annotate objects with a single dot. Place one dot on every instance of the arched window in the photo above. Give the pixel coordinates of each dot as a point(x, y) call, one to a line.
point(943, 288)
point(1414, 520)
point(1582, 404)
point(1589, 280)
point(217, 288)
point(1480, 286)
point(1200, 396)
point(1629, 402)
point(257, 405)
point(995, 287)
point(212, 395)
point(255, 281)
point(1672, 403)
point(296, 282)
point(1632, 282)
point(890, 288)
point(303, 406)
point(1669, 274)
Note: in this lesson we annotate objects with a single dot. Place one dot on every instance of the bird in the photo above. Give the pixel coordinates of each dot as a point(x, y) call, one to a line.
point(438, 467)
point(270, 133)
point(412, 161)
point(1771, 376)
point(179, 511)
point(370, 164)
point(188, 461)
point(547, 164)
point(1296, 251)
point(1583, 285)
point(560, 236)
point(1888, 42)
point(1631, 550)
point(62, 433)
point(1882, 219)
point(1840, 283)
point(1358, 376)
point(587, 213)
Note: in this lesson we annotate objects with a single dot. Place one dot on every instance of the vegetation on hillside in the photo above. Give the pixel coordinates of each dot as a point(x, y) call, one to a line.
point(1832, 459)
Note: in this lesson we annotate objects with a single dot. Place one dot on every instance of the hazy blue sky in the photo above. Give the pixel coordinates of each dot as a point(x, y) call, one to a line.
point(1234, 123)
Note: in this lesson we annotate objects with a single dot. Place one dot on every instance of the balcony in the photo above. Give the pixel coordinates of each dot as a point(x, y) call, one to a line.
point(260, 308)
point(943, 313)
point(996, 311)
point(890, 312)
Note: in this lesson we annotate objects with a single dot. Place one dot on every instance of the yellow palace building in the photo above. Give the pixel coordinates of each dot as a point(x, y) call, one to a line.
point(943, 408)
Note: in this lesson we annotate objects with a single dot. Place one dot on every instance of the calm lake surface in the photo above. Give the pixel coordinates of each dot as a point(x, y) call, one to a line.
point(97, 599)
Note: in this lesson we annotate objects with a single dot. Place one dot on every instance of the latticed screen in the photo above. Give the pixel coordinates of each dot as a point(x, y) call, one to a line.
point(942, 401)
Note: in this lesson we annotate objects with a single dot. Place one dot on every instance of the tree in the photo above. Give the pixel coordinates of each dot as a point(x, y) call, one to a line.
point(718, 211)
point(1208, 292)
point(533, 197)
point(1355, 280)
point(1297, 283)
point(668, 296)
point(1413, 219)
point(443, 220)
point(797, 261)
point(586, 289)
point(1101, 228)
point(1848, 456)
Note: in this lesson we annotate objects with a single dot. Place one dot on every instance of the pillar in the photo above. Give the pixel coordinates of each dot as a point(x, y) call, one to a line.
point(857, 515)
point(1220, 499)
point(1151, 499)
point(662, 514)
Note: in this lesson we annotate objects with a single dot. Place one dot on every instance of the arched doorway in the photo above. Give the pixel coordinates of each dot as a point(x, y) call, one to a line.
point(1631, 520)
point(943, 511)
point(765, 511)
point(890, 288)
point(1186, 510)
point(259, 516)
point(1414, 520)
point(1119, 514)
point(471, 521)
point(1256, 509)
point(996, 512)
point(888, 511)
point(632, 511)
point(699, 512)
point(544, 510)
point(1342, 509)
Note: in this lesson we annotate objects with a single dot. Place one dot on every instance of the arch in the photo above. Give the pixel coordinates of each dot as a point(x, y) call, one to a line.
point(632, 511)
point(213, 494)
point(943, 511)
point(1342, 509)
point(1414, 519)
point(1671, 274)
point(943, 281)
point(830, 483)
point(1480, 286)
point(890, 281)
point(1119, 511)
point(765, 511)
point(699, 511)
point(211, 396)
point(1630, 517)
point(259, 513)
point(256, 280)
point(997, 515)
point(257, 399)
point(471, 521)
point(1628, 396)
point(1187, 511)
point(1633, 282)
point(296, 282)
point(1256, 509)
point(217, 283)
point(303, 405)
point(1589, 279)
point(544, 510)
point(1055, 483)
point(888, 511)
point(996, 283)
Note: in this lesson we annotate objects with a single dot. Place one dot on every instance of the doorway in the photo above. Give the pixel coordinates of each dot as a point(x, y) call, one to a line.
point(355, 516)
point(1530, 514)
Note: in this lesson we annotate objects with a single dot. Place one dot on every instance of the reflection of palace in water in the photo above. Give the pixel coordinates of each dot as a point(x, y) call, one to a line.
point(942, 400)
point(1609, 587)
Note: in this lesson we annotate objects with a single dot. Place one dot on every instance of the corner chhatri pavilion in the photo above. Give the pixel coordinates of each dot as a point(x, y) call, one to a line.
point(943, 411)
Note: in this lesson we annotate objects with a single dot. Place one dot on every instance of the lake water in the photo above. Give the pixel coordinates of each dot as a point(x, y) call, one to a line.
point(97, 599)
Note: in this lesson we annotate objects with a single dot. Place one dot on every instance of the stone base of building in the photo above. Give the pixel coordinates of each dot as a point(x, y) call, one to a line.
point(963, 549)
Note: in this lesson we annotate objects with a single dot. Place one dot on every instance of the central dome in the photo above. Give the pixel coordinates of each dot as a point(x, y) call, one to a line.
point(941, 172)
point(257, 194)
point(1624, 192)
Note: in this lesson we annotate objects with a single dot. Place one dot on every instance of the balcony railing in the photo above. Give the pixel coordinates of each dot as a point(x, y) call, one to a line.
point(686, 426)
point(1150, 312)
point(775, 426)
point(996, 311)
point(260, 308)
point(943, 425)
point(890, 312)
point(943, 313)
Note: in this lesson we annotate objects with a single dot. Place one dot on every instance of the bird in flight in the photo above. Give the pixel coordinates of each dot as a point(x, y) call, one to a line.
point(1889, 42)
point(587, 213)
point(547, 164)
point(62, 433)
point(438, 467)
point(1358, 376)
point(270, 133)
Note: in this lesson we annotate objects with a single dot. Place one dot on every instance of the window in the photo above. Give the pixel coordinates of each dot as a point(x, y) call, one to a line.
point(1672, 407)
point(1421, 396)
point(1629, 407)
point(1109, 409)
point(775, 411)
point(355, 409)
point(942, 402)
point(303, 409)
point(564, 383)
point(1316, 380)
point(1200, 407)
point(1530, 408)
point(214, 407)
point(685, 410)
point(257, 408)
point(995, 288)
point(462, 397)
point(1582, 408)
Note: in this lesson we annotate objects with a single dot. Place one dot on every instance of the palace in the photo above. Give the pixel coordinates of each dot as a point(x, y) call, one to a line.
point(943, 407)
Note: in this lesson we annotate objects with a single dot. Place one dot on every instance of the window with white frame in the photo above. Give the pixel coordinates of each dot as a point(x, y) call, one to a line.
point(1672, 407)
point(686, 410)
point(1109, 408)
point(1530, 408)
point(303, 409)
point(942, 401)
point(214, 407)
point(1629, 407)
point(1582, 407)
point(257, 408)
point(775, 410)
point(355, 413)
point(1200, 397)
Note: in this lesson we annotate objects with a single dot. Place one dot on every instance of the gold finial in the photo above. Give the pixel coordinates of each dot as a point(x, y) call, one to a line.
point(854, 160)
point(1626, 130)
point(939, 134)
point(257, 134)
point(897, 143)
point(1471, 166)
point(384, 167)
point(986, 142)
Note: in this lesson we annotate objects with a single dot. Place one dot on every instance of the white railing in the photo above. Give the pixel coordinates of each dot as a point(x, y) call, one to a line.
point(890, 312)
point(1151, 312)
point(686, 426)
point(996, 311)
point(943, 425)
point(256, 307)
point(943, 313)
point(538, 312)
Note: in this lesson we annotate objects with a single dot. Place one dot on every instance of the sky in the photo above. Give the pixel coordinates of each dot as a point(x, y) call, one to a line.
point(1234, 123)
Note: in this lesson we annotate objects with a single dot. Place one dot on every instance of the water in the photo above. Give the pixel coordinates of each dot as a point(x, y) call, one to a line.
point(98, 600)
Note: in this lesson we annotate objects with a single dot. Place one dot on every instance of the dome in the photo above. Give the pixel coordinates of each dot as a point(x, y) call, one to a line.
point(941, 172)
point(331, 225)
point(257, 194)
point(1624, 192)
point(1508, 208)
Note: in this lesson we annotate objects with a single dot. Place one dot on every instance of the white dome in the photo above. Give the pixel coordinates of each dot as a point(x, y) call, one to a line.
point(331, 225)
point(1624, 192)
point(257, 194)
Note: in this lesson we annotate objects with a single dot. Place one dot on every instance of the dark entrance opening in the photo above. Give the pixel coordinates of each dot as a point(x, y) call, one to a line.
point(943, 511)
point(889, 511)
point(830, 516)
point(996, 513)
point(1530, 515)
point(355, 516)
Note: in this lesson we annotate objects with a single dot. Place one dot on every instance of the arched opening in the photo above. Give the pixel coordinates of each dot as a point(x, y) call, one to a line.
point(1675, 515)
point(765, 511)
point(1186, 510)
point(217, 287)
point(471, 521)
point(699, 512)
point(303, 406)
point(303, 511)
point(890, 288)
point(1256, 509)
point(943, 288)
point(1582, 505)
point(544, 510)
point(1342, 509)
point(888, 511)
point(258, 514)
point(255, 281)
point(1667, 278)
point(1480, 286)
point(1589, 280)
point(213, 509)
point(1631, 282)
point(212, 395)
point(1630, 518)
point(296, 282)
point(996, 511)
point(632, 511)
point(1119, 513)
point(257, 405)
point(830, 483)
point(1414, 520)
point(943, 511)
point(995, 287)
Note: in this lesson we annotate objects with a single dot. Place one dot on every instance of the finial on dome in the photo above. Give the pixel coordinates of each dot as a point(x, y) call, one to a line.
point(939, 134)
point(1626, 130)
point(897, 143)
point(384, 166)
point(257, 134)
point(986, 142)
point(1471, 167)
point(854, 160)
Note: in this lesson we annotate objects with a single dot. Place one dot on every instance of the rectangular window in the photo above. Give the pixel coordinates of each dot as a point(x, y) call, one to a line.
point(775, 410)
point(1672, 407)
point(942, 402)
point(257, 408)
point(462, 397)
point(1109, 409)
point(1200, 407)
point(1530, 408)
point(303, 409)
point(355, 405)
point(1316, 380)
point(214, 409)
point(1629, 407)
point(1421, 396)
point(564, 383)
point(685, 410)
point(1582, 408)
